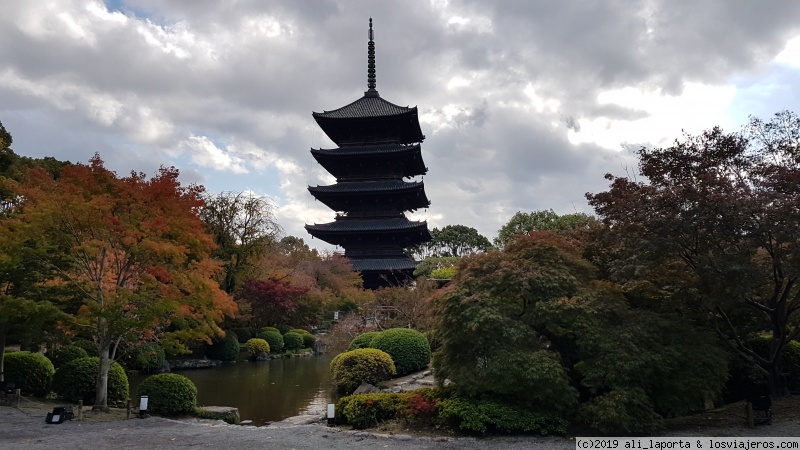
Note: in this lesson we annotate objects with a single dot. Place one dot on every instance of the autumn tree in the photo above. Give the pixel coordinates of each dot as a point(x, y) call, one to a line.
point(132, 250)
point(243, 225)
point(725, 206)
point(543, 220)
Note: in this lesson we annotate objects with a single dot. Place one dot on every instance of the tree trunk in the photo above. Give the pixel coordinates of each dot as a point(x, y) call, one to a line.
point(101, 387)
point(3, 330)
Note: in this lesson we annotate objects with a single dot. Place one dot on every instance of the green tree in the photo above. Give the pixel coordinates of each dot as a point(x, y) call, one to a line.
point(452, 241)
point(243, 225)
point(532, 325)
point(524, 223)
point(725, 206)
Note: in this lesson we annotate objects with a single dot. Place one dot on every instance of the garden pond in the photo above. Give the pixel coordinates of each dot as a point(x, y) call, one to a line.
point(264, 391)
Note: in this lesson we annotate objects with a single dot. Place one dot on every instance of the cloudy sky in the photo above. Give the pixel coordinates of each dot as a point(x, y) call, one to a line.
point(524, 104)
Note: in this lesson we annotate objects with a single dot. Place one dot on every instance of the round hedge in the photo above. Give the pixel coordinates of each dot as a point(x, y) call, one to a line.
point(271, 329)
point(169, 394)
point(65, 353)
point(32, 372)
point(146, 357)
point(256, 346)
point(224, 349)
point(273, 338)
point(408, 348)
point(363, 340)
point(86, 344)
point(364, 365)
point(77, 380)
point(293, 341)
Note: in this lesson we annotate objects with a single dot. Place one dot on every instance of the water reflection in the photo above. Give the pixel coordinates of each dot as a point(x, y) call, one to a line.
point(263, 391)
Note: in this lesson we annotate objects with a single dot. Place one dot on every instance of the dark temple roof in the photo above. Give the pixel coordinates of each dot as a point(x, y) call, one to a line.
point(359, 150)
point(366, 107)
point(382, 264)
point(368, 225)
point(367, 186)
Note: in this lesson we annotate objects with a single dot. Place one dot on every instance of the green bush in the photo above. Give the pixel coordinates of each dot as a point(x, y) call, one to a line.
point(364, 365)
point(64, 354)
point(86, 344)
point(480, 416)
point(146, 357)
point(284, 328)
point(363, 340)
point(366, 410)
point(224, 349)
point(622, 413)
point(256, 346)
point(309, 340)
point(265, 329)
point(292, 341)
point(273, 338)
point(77, 379)
point(169, 394)
point(408, 348)
point(32, 372)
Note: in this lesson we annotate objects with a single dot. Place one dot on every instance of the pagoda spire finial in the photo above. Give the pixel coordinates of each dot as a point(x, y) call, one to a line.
point(371, 91)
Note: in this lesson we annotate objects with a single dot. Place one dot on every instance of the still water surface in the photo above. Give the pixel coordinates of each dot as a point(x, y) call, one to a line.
point(263, 391)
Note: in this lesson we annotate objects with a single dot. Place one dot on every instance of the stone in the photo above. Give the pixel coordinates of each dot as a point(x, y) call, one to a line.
point(366, 388)
point(220, 412)
point(403, 437)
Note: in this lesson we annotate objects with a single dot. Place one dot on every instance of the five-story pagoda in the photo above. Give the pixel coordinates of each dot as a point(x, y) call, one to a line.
point(378, 147)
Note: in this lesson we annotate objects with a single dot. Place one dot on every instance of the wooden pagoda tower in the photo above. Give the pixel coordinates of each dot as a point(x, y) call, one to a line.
point(378, 149)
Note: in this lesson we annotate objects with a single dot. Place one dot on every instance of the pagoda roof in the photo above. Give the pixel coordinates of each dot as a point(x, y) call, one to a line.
point(366, 150)
point(368, 106)
point(346, 187)
point(342, 224)
point(383, 264)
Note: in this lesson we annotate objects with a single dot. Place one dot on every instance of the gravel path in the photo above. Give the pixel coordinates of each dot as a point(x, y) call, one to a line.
point(21, 431)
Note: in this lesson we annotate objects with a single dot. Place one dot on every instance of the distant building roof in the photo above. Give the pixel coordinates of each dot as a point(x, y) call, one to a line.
point(367, 225)
point(367, 186)
point(382, 264)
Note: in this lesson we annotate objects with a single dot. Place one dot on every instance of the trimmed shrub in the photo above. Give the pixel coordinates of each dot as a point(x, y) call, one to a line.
point(224, 349)
point(292, 341)
point(265, 329)
point(32, 372)
point(273, 338)
point(77, 379)
point(364, 365)
point(146, 357)
point(308, 338)
point(408, 348)
point(64, 354)
point(256, 346)
point(363, 340)
point(284, 328)
point(481, 416)
point(169, 394)
point(366, 410)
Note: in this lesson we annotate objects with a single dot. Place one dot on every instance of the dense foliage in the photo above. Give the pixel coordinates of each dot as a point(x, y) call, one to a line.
point(365, 365)
point(145, 357)
point(32, 372)
point(408, 348)
point(76, 380)
point(65, 353)
point(363, 340)
point(224, 349)
point(369, 410)
point(256, 347)
point(274, 338)
point(532, 326)
point(719, 210)
point(482, 416)
point(169, 394)
point(292, 341)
